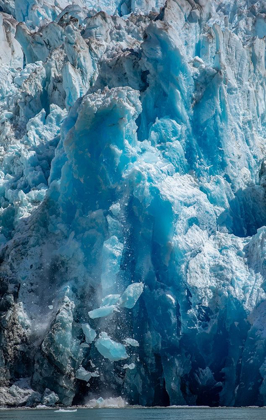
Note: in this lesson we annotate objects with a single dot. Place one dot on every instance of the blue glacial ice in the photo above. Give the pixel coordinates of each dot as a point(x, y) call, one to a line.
point(89, 333)
point(131, 295)
point(131, 342)
point(112, 303)
point(84, 375)
point(110, 349)
point(132, 202)
point(102, 311)
point(131, 366)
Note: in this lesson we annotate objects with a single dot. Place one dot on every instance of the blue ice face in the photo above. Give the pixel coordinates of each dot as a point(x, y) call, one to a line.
point(132, 199)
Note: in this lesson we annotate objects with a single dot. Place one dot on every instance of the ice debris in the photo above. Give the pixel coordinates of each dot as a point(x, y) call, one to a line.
point(130, 367)
point(131, 295)
point(102, 311)
point(110, 300)
point(84, 375)
point(112, 303)
point(131, 342)
point(89, 333)
point(110, 349)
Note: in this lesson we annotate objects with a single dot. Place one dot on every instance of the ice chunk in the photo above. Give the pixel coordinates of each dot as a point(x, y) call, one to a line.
point(131, 366)
point(171, 298)
point(84, 346)
point(83, 375)
point(102, 312)
point(115, 209)
point(110, 300)
point(111, 258)
point(131, 295)
point(110, 349)
point(89, 333)
point(131, 342)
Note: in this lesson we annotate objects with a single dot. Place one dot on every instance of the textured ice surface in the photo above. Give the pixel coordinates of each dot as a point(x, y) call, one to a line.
point(131, 342)
point(102, 312)
point(110, 300)
point(110, 349)
point(132, 202)
point(89, 333)
point(84, 375)
point(131, 295)
point(131, 366)
point(111, 303)
point(37, 13)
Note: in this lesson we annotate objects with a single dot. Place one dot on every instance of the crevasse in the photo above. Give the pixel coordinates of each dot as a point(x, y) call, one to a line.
point(132, 202)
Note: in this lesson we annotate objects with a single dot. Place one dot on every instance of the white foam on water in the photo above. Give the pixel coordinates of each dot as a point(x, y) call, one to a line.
point(118, 402)
point(62, 410)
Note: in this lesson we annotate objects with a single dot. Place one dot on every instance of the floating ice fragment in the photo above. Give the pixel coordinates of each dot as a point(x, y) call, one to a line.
point(102, 312)
point(110, 349)
point(89, 333)
point(131, 295)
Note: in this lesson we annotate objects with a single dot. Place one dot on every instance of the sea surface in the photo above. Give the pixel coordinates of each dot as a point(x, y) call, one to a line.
point(138, 414)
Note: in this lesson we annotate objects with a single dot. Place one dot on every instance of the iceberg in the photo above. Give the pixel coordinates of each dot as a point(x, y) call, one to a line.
point(132, 202)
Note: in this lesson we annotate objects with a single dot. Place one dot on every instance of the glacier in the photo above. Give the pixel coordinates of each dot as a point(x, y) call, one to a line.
point(132, 202)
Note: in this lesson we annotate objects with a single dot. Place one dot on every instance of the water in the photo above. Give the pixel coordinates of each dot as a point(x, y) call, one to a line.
point(139, 414)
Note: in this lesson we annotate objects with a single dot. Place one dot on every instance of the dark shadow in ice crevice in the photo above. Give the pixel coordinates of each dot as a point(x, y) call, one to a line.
point(246, 212)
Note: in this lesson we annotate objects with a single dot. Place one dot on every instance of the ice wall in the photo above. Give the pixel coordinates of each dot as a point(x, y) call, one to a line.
point(36, 13)
point(132, 202)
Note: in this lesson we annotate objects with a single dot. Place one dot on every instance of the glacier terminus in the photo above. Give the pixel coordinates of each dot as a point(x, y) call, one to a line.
point(133, 202)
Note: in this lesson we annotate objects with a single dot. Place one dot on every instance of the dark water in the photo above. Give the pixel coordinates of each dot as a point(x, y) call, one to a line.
point(138, 414)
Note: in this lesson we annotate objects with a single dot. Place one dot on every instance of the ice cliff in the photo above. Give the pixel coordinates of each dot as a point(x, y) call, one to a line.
point(132, 201)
